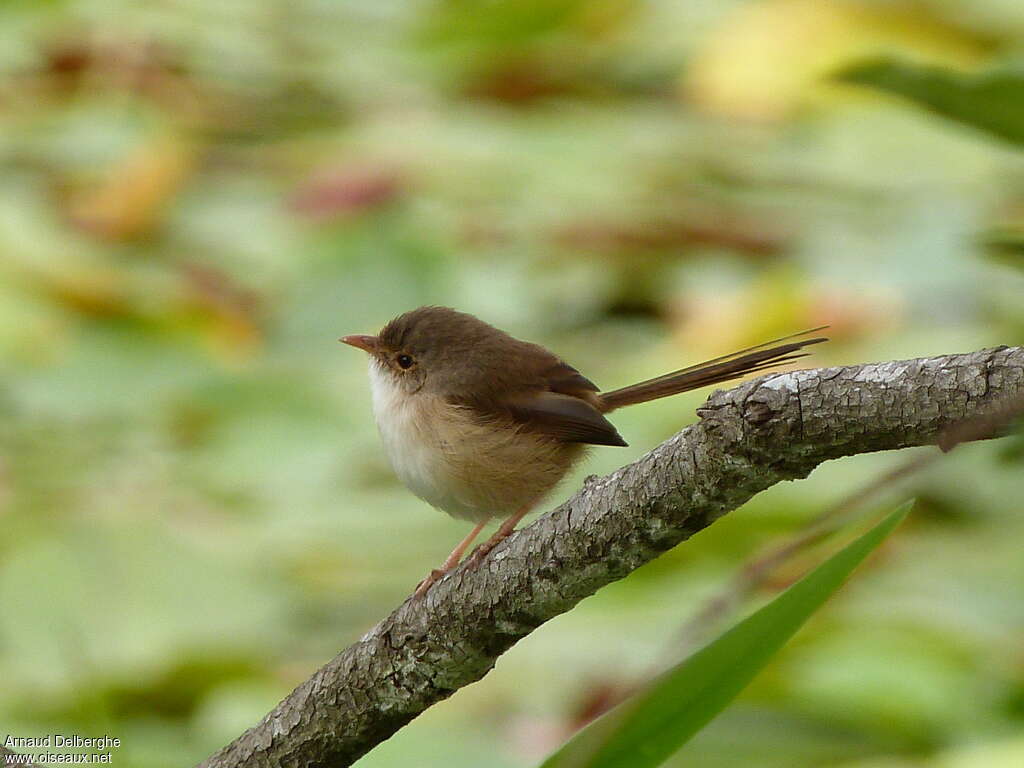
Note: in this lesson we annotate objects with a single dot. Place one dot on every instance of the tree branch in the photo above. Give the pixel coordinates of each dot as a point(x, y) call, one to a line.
point(778, 427)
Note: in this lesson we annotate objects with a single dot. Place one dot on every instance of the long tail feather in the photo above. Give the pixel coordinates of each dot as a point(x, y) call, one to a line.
point(755, 359)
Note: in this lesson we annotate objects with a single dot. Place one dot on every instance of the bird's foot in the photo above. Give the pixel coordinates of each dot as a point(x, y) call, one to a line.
point(505, 530)
point(432, 578)
point(483, 550)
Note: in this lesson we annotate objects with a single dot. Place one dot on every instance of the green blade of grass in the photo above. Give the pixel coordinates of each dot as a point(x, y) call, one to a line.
point(649, 727)
point(992, 101)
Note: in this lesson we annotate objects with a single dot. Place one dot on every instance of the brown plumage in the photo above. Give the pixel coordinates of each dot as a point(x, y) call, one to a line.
point(481, 424)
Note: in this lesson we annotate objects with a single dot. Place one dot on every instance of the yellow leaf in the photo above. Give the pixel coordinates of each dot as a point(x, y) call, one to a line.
point(133, 197)
point(770, 58)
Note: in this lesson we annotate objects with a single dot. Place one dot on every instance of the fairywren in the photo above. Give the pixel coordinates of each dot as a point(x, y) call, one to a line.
point(481, 425)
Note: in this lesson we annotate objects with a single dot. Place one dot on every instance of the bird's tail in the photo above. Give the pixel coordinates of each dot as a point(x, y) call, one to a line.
point(755, 359)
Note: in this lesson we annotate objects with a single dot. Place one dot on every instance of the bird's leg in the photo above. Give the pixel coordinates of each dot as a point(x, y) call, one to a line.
point(450, 562)
point(503, 532)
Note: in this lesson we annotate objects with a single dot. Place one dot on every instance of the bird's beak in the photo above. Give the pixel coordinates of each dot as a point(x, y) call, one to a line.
point(366, 343)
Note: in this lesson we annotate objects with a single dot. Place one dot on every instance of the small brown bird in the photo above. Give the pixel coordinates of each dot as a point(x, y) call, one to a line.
point(480, 424)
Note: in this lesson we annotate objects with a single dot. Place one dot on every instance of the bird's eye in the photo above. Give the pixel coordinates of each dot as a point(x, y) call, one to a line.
point(404, 361)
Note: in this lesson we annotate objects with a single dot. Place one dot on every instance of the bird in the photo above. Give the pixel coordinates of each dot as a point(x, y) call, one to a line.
point(482, 425)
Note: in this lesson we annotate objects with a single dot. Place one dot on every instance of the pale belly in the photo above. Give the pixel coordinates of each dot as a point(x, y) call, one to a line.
point(469, 470)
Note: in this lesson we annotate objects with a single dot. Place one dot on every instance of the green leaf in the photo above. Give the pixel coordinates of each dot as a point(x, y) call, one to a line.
point(992, 100)
point(1005, 246)
point(649, 727)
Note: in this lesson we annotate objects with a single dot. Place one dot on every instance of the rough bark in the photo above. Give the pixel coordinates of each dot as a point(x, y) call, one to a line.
point(777, 427)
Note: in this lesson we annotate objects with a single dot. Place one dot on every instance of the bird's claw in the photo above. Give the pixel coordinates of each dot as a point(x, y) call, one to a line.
point(478, 555)
point(483, 550)
point(424, 586)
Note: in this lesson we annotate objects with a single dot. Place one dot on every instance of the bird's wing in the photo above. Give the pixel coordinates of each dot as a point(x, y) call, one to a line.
point(563, 417)
point(534, 391)
point(562, 377)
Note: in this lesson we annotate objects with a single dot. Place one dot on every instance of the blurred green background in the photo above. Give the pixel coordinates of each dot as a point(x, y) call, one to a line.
point(198, 197)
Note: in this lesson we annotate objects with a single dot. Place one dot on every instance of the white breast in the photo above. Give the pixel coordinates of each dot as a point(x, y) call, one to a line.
point(408, 429)
point(451, 460)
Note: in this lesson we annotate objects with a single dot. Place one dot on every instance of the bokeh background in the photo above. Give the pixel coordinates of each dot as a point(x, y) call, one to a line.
point(197, 197)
